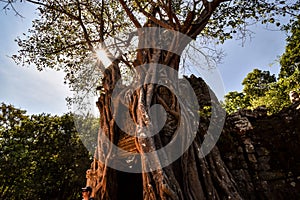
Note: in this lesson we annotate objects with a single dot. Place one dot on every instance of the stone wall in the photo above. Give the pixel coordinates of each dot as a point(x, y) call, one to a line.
point(263, 152)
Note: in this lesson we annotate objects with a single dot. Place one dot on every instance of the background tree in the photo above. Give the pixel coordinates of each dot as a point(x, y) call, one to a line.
point(41, 156)
point(274, 96)
point(262, 89)
point(233, 101)
point(69, 32)
point(277, 97)
point(290, 59)
point(257, 83)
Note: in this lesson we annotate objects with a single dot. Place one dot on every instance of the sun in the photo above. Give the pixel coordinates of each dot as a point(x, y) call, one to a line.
point(102, 55)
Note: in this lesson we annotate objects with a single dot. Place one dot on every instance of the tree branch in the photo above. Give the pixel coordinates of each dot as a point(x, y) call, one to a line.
point(153, 18)
point(203, 19)
point(168, 9)
point(130, 15)
point(85, 32)
point(190, 17)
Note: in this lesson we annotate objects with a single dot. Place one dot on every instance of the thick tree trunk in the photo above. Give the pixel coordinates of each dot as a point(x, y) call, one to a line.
point(189, 177)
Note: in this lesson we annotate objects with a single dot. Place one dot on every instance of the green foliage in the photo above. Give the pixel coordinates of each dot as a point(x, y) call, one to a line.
point(87, 126)
point(272, 94)
point(41, 156)
point(290, 60)
point(234, 101)
point(205, 111)
point(277, 97)
point(257, 83)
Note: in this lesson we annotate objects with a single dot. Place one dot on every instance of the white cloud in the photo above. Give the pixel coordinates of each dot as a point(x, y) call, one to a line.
point(27, 88)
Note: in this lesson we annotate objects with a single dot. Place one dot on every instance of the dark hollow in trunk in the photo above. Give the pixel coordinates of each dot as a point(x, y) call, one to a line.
point(130, 185)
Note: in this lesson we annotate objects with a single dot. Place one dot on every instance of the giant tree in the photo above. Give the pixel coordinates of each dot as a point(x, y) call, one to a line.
point(68, 34)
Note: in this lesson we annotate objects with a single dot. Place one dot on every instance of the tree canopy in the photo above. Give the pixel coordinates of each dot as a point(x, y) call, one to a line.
point(41, 156)
point(290, 59)
point(67, 34)
point(257, 83)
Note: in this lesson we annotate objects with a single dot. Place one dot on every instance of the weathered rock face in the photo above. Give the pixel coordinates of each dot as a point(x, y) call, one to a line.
point(262, 152)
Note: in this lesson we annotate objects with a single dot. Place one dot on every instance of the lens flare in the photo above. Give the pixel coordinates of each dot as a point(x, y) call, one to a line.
point(102, 55)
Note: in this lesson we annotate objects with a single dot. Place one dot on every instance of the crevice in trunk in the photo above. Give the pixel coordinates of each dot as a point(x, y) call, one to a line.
point(130, 186)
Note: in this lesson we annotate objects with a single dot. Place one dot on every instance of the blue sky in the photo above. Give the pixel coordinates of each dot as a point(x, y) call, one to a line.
point(39, 92)
point(26, 87)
